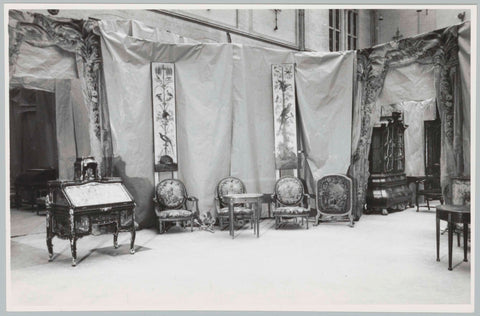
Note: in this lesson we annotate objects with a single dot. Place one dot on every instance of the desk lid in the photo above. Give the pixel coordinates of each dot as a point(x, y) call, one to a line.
point(97, 193)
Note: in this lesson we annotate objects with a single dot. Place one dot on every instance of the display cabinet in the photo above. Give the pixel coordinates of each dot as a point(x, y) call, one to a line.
point(387, 185)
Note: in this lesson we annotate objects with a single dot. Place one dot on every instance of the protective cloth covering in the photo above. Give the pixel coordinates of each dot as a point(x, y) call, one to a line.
point(324, 92)
point(72, 117)
point(224, 110)
point(389, 73)
point(414, 115)
point(204, 114)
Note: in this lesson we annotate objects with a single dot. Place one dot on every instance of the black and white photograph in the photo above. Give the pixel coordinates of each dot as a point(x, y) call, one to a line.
point(247, 157)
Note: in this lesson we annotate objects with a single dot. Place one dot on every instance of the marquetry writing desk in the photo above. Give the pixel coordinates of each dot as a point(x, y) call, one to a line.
point(93, 207)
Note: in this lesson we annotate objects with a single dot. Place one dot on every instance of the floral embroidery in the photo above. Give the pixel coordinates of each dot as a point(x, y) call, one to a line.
point(230, 185)
point(171, 193)
point(333, 194)
point(289, 190)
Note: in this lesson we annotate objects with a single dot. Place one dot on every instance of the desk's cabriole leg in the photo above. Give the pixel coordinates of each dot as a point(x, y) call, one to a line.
point(117, 228)
point(49, 235)
point(132, 238)
point(73, 238)
point(115, 239)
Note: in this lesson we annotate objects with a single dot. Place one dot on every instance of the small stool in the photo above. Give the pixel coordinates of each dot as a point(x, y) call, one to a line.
point(453, 214)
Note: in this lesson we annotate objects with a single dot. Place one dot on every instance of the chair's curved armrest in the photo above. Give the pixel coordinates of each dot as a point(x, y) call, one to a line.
point(194, 200)
point(217, 204)
point(156, 207)
point(308, 195)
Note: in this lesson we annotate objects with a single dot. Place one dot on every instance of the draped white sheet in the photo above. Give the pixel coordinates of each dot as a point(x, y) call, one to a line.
point(325, 91)
point(224, 111)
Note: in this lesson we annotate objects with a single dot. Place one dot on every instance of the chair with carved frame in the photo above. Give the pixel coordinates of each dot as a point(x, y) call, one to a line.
point(170, 203)
point(431, 191)
point(289, 200)
point(334, 197)
point(231, 185)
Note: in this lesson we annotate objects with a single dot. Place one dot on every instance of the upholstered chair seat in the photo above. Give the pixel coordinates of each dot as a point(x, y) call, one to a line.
point(174, 213)
point(290, 210)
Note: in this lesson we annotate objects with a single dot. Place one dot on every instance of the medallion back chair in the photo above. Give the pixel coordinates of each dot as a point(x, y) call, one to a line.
point(170, 203)
point(289, 200)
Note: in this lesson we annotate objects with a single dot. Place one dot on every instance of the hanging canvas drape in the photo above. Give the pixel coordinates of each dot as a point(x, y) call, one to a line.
point(224, 111)
point(438, 49)
point(41, 47)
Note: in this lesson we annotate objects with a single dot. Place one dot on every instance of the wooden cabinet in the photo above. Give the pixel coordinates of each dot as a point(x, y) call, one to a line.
point(387, 185)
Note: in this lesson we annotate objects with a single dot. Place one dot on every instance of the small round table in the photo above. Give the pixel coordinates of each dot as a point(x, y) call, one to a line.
point(254, 199)
point(453, 214)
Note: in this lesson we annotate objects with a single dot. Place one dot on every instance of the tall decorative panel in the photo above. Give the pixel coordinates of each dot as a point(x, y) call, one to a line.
point(164, 117)
point(284, 105)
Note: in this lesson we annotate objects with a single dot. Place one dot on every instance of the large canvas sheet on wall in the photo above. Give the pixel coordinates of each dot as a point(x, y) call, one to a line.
point(283, 80)
point(164, 118)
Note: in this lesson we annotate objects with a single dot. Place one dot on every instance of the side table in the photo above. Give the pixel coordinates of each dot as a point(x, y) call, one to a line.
point(453, 214)
point(253, 198)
